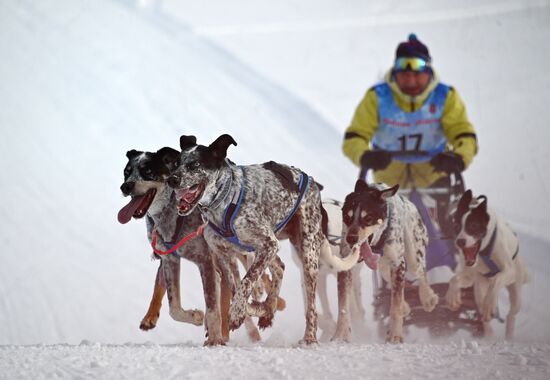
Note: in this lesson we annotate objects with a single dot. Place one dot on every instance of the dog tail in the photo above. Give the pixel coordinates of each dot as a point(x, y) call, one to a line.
point(335, 262)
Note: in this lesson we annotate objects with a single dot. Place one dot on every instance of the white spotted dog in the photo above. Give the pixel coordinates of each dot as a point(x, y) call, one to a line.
point(490, 252)
point(249, 208)
point(374, 216)
point(144, 182)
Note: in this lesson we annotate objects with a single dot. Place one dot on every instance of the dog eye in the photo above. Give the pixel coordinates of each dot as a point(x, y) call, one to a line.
point(347, 216)
point(370, 220)
point(193, 165)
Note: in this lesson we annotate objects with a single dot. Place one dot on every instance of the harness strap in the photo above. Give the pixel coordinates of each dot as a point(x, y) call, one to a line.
point(303, 189)
point(485, 255)
point(227, 229)
point(174, 247)
point(334, 239)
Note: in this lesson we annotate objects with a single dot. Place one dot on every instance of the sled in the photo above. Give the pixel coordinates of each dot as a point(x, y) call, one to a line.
point(441, 264)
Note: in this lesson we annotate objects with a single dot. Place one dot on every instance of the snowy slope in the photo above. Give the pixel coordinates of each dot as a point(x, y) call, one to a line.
point(85, 81)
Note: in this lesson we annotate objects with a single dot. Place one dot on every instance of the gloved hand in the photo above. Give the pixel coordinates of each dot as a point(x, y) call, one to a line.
point(375, 159)
point(447, 162)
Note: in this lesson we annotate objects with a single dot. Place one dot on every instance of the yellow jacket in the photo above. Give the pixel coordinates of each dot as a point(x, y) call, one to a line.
point(459, 131)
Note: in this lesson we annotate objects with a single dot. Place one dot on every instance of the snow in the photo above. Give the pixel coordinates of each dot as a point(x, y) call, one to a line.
point(85, 81)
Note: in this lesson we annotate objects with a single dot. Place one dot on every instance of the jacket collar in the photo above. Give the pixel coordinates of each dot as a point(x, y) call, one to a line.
point(403, 98)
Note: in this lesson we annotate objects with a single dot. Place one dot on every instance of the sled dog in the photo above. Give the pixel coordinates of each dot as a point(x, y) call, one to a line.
point(490, 252)
point(375, 217)
point(250, 208)
point(144, 182)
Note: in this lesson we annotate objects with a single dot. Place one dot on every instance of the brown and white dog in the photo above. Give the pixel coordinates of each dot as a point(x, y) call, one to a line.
point(374, 215)
point(489, 250)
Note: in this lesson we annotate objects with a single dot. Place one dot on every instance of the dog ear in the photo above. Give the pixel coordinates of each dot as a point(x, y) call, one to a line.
point(464, 203)
point(187, 142)
point(385, 194)
point(220, 145)
point(482, 206)
point(360, 186)
point(170, 157)
point(132, 153)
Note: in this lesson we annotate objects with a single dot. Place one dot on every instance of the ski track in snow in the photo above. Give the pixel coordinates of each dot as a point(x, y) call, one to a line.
point(331, 361)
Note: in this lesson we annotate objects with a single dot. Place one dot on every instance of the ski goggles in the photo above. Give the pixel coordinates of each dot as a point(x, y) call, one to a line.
point(411, 63)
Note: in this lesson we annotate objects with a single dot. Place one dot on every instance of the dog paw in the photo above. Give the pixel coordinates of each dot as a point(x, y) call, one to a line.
point(430, 301)
point(393, 338)
point(265, 321)
point(197, 317)
point(309, 341)
point(342, 336)
point(281, 304)
point(453, 299)
point(214, 342)
point(148, 322)
point(488, 311)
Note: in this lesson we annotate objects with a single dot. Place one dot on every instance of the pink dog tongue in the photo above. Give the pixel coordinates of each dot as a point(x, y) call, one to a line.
point(370, 258)
point(126, 213)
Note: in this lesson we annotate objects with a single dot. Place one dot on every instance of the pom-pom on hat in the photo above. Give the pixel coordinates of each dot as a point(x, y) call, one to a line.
point(413, 48)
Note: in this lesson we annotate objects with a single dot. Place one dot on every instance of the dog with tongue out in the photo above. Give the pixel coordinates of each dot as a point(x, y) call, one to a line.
point(376, 216)
point(144, 182)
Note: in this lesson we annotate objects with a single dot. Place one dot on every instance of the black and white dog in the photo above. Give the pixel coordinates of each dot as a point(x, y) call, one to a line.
point(249, 208)
point(374, 216)
point(490, 253)
point(144, 182)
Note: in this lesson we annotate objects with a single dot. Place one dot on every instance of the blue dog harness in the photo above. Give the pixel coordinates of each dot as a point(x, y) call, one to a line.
point(485, 255)
point(227, 229)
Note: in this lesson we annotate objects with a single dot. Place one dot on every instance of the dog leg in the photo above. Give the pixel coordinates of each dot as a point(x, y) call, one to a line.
point(225, 300)
point(415, 257)
point(227, 292)
point(358, 310)
point(150, 320)
point(281, 303)
point(276, 267)
point(395, 332)
point(172, 277)
point(211, 288)
point(311, 237)
point(489, 306)
point(264, 255)
point(453, 297)
point(428, 298)
point(326, 320)
point(481, 287)
point(343, 325)
point(514, 292)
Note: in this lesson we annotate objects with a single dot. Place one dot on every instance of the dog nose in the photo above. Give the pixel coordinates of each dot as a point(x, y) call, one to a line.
point(173, 181)
point(461, 242)
point(127, 187)
point(352, 239)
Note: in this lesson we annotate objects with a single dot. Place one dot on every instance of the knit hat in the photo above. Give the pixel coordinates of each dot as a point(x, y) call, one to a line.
point(413, 48)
